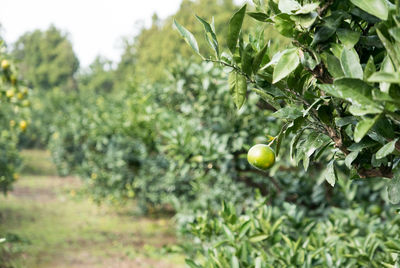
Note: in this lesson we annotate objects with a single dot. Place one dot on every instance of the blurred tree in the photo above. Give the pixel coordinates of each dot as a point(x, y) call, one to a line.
point(46, 59)
point(99, 76)
point(149, 53)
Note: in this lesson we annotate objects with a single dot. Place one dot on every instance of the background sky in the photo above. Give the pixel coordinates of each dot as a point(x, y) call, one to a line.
point(95, 26)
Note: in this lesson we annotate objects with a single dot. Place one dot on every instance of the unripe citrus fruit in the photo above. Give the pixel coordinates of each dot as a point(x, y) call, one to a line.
point(261, 156)
point(5, 64)
point(20, 96)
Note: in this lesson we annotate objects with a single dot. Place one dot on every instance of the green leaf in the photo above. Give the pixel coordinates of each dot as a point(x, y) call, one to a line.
point(363, 127)
point(350, 158)
point(238, 88)
point(258, 238)
point(192, 264)
point(308, 8)
point(393, 187)
point(348, 37)
point(286, 64)
point(258, 262)
point(284, 25)
point(288, 112)
point(235, 262)
point(267, 98)
point(228, 232)
point(279, 140)
point(354, 91)
point(386, 149)
point(344, 121)
point(333, 65)
point(378, 8)
point(258, 58)
point(323, 34)
point(385, 77)
point(244, 228)
point(305, 20)
point(369, 68)
point(188, 36)
point(387, 67)
point(210, 36)
point(395, 33)
point(258, 16)
point(308, 61)
point(293, 143)
point(288, 6)
point(390, 49)
point(351, 64)
point(235, 25)
point(330, 173)
point(247, 60)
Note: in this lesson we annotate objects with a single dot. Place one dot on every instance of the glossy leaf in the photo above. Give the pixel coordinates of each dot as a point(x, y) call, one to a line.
point(363, 127)
point(330, 173)
point(188, 36)
point(385, 77)
point(247, 60)
point(350, 158)
point(238, 88)
point(258, 16)
point(235, 25)
point(348, 37)
point(259, 58)
point(210, 36)
point(354, 91)
point(350, 63)
point(288, 112)
point(333, 65)
point(369, 68)
point(287, 63)
point(395, 33)
point(288, 6)
point(258, 238)
point(386, 149)
point(378, 8)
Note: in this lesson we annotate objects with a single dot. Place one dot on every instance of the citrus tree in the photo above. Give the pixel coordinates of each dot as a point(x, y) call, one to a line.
point(13, 120)
point(336, 86)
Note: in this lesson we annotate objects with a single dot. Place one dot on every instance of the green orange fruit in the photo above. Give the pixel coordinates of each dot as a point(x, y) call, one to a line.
point(261, 156)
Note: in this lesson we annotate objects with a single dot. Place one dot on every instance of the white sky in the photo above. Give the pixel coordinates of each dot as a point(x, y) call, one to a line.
point(95, 26)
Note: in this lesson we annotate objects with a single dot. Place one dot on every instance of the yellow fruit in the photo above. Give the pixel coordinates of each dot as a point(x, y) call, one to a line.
point(23, 125)
point(20, 96)
point(16, 176)
point(10, 93)
point(5, 64)
point(261, 156)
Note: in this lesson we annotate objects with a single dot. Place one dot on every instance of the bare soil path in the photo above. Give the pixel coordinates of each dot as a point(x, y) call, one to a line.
point(51, 223)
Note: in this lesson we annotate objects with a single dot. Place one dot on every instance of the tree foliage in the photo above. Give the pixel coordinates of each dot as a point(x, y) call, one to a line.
point(336, 86)
point(46, 59)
